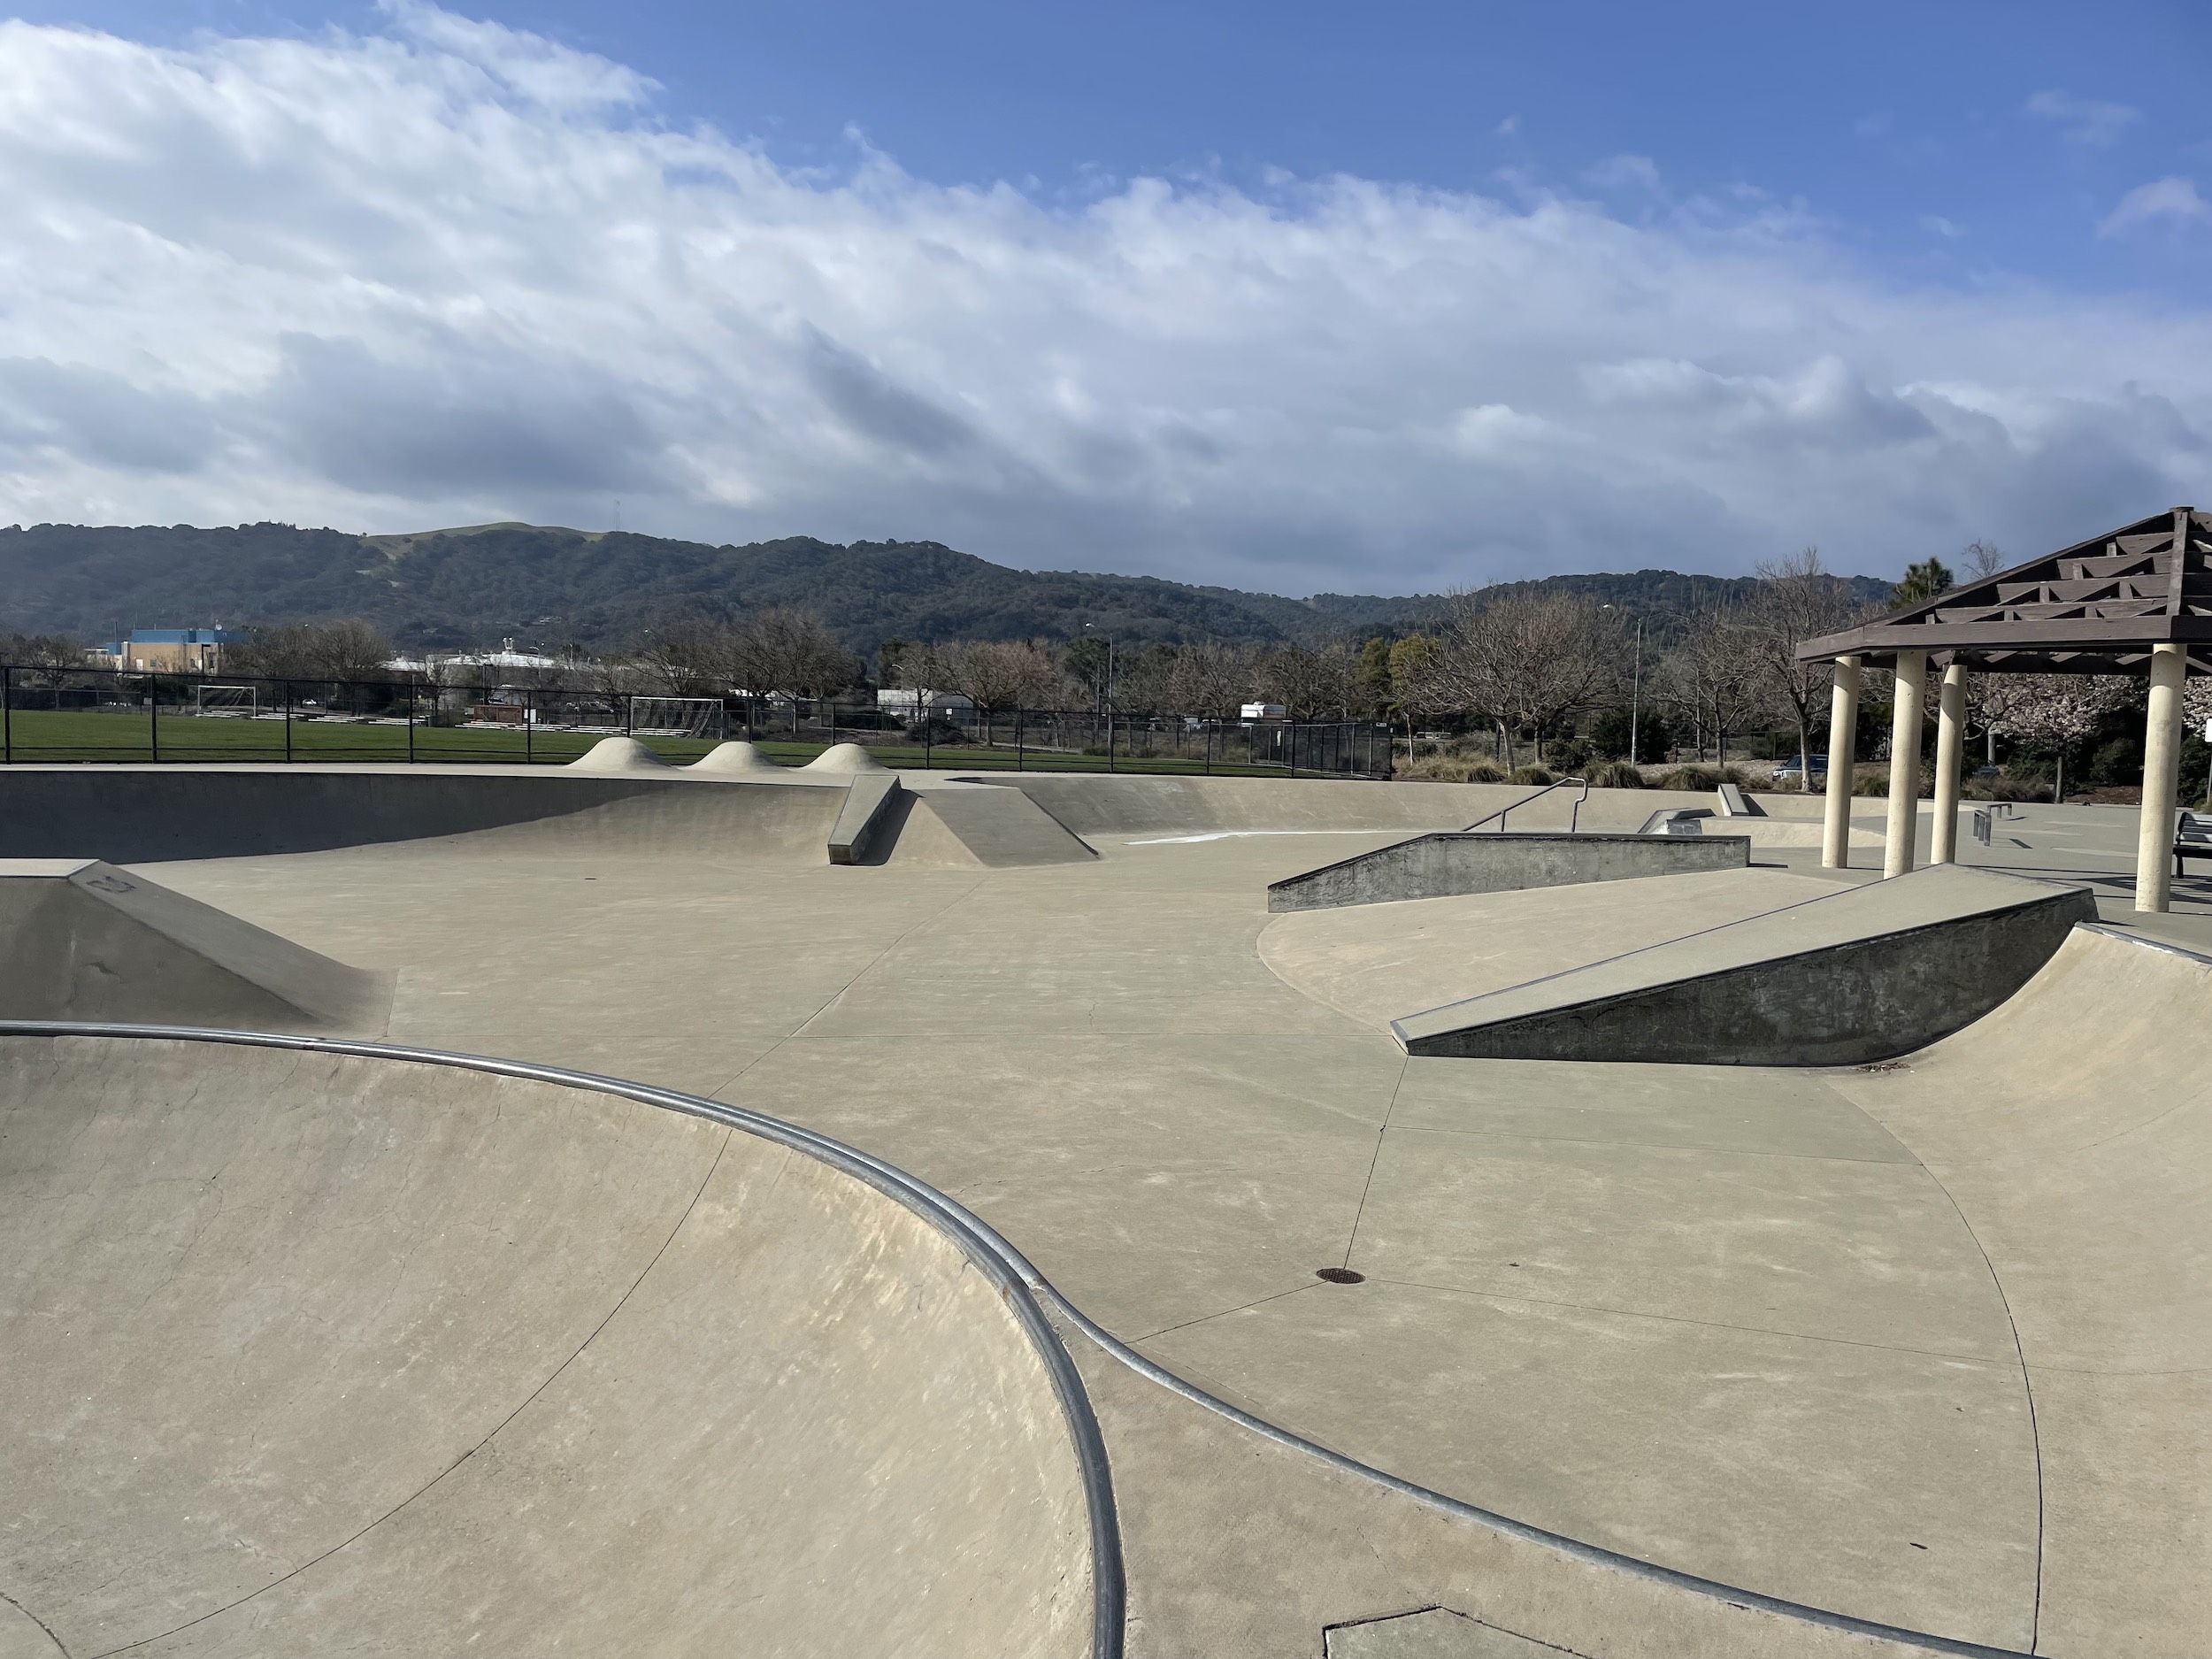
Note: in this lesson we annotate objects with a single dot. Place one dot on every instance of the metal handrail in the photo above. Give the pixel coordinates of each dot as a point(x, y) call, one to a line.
point(1574, 818)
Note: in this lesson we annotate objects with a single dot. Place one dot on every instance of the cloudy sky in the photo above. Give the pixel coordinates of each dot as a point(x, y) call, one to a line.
point(1299, 296)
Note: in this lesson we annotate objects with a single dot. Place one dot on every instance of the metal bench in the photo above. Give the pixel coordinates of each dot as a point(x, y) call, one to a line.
point(2192, 839)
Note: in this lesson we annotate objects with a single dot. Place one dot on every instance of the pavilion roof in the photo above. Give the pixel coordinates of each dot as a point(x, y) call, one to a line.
point(2095, 608)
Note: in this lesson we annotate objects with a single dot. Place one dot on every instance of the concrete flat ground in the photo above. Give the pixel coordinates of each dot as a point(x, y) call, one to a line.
point(1758, 1326)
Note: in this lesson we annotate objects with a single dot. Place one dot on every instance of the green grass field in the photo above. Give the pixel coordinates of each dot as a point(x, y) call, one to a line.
point(47, 737)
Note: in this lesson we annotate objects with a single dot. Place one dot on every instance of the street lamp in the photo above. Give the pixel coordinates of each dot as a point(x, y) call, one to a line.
point(1635, 691)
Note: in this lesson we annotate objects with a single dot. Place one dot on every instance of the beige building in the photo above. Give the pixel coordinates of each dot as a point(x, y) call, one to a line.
point(175, 651)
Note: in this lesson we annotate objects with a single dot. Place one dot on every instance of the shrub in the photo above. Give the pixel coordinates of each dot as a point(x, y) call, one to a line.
point(1616, 774)
point(1450, 769)
point(1530, 775)
point(1698, 778)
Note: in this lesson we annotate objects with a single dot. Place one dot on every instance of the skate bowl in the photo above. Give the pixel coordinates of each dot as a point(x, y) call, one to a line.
point(1438, 866)
point(324, 1347)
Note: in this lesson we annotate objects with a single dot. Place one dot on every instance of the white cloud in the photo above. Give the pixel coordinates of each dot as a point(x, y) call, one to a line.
point(1936, 224)
point(456, 273)
point(1625, 172)
point(2173, 201)
point(2087, 121)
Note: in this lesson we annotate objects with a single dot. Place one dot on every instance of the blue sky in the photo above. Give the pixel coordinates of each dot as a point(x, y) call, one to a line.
point(1290, 295)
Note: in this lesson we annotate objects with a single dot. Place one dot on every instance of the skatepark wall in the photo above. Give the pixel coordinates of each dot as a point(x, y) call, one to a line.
point(1439, 866)
point(146, 814)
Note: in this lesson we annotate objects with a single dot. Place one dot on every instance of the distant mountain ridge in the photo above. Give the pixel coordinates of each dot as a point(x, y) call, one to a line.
point(551, 587)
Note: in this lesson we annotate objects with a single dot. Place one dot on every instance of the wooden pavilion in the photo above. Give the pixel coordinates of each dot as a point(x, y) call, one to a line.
point(2137, 600)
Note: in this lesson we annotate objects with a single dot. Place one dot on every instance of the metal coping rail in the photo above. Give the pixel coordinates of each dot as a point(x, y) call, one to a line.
point(1574, 819)
point(1029, 1292)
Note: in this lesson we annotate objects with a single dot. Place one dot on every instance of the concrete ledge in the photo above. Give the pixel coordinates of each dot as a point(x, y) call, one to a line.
point(1863, 974)
point(868, 810)
point(1442, 866)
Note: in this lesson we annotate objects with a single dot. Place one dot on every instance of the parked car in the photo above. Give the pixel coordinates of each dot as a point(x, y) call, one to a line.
point(1787, 772)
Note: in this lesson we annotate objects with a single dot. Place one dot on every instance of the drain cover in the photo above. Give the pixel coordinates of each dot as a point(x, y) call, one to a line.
point(1341, 1276)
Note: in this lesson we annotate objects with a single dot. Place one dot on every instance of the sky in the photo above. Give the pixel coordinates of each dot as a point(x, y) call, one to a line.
point(1301, 298)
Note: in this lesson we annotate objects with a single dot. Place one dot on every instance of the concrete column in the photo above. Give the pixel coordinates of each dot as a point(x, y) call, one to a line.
point(1904, 764)
point(2161, 780)
point(1943, 839)
point(1843, 743)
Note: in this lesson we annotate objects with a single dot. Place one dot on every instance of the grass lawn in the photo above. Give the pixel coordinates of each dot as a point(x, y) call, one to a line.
point(37, 736)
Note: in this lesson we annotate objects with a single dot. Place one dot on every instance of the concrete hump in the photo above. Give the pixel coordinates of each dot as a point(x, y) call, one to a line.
point(844, 757)
point(80, 940)
point(735, 757)
point(619, 755)
point(1443, 866)
point(1863, 974)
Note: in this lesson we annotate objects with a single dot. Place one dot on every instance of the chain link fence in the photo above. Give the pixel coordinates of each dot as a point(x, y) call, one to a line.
point(69, 715)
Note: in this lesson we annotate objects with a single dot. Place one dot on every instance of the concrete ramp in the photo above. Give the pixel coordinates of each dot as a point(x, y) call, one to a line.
point(83, 940)
point(1439, 866)
point(2072, 1127)
point(369, 1352)
point(999, 827)
point(1863, 974)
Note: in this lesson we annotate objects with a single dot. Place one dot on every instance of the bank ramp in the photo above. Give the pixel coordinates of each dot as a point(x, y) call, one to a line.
point(81, 939)
point(329, 1349)
point(1862, 974)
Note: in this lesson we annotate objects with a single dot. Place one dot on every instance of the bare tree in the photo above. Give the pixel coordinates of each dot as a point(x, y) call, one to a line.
point(1796, 600)
point(48, 656)
point(1212, 679)
point(1715, 678)
point(687, 656)
point(1981, 560)
point(349, 649)
point(995, 675)
point(1308, 683)
point(1527, 661)
point(790, 651)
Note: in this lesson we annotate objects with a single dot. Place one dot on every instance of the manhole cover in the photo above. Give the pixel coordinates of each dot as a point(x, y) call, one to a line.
point(1341, 1276)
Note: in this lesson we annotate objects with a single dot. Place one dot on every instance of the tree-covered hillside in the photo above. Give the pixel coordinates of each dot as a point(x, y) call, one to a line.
point(553, 588)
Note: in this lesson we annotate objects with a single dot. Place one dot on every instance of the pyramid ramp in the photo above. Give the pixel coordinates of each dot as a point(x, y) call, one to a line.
point(1863, 974)
point(1000, 828)
point(80, 940)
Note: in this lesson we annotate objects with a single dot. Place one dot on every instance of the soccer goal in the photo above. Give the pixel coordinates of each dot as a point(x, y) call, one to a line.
point(241, 701)
point(677, 717)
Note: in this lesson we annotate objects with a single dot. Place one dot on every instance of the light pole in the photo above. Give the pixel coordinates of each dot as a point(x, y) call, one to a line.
point(1635, 690)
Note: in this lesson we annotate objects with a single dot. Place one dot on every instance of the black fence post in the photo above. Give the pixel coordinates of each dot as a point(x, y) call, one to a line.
point(410, 723)
point(7, 713)
point(929, 737)
point(1021, 754)
point(153, 718)
point(287, 722)
point(529, 726)
point(1110, 739)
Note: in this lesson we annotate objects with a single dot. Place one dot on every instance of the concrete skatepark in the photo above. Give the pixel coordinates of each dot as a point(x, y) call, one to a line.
point(889, 1221)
